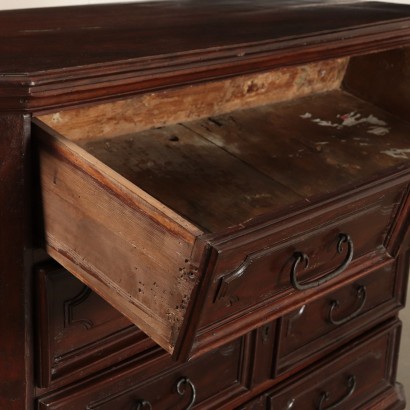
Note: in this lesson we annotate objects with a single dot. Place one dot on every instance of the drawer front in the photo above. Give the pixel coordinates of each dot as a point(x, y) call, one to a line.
point(280, 264)
point(207, 382)
point(191, 291)
point(315, 327)
point(357, 376)
point(79, 333)
point(314, 250)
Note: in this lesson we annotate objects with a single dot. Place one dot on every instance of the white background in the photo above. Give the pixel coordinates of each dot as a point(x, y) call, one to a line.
point(21, 4)
point(16, 4)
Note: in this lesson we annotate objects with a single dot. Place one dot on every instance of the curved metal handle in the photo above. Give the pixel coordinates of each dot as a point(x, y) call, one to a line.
point(351, 386)
point(302, 257)
point(361, 295)
point(143, 404)
point(181, 389)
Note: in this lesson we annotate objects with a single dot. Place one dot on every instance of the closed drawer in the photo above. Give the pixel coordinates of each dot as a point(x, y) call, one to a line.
point(359, 376)
point(361, 373)
point(194, 244)
point(208, 382)
point(315, 327)
point(78, 332)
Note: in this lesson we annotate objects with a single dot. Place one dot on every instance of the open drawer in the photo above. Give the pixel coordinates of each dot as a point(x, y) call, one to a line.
point(193, 224)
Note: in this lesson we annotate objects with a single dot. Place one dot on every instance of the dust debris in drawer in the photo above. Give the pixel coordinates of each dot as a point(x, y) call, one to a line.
point(223, 170)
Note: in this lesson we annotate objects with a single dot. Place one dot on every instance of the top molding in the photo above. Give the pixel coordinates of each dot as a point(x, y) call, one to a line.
point(59, 57)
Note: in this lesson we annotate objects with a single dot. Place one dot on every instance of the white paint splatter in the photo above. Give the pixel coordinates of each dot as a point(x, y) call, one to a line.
point(378, 131)
point(325, 123)
point(400, 153)
point(351, 119)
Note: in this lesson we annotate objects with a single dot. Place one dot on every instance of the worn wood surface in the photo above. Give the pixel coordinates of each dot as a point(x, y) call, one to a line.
point(217, 173)
point(54, 59)
point(124, 245)
point(256, 262)
point(223, 170)
point(16, 359)
point(195, 101)
point(193, 176)
point(136, 47)
point(314, 144)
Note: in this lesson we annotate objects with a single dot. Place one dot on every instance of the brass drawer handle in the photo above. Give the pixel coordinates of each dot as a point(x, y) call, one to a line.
point(361, 295)
point(143, 405)
point(302, 257)
point(181, 389)
point(351, 386)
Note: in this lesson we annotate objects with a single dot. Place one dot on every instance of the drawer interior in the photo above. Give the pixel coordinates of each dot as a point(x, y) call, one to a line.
point(223, 170)
point(218, 171)
point(135, 192)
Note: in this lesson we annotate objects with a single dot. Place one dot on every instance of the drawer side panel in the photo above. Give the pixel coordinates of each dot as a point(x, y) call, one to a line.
point(137, 262)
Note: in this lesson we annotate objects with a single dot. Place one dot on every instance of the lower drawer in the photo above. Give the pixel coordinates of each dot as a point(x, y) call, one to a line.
point(315, 327)
point(78, 332)
point(359, 376)
point(207, 382)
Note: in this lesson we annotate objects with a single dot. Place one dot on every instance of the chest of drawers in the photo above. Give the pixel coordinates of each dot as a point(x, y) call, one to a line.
point(226, 203)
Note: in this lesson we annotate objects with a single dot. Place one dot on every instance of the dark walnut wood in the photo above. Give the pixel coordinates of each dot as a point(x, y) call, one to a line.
point(313, 326)
point(225, 378)
point(16, 344)
point(344, 382)
point(227, 181)
point(232, 197)
point(78, 332)
point(150, 46)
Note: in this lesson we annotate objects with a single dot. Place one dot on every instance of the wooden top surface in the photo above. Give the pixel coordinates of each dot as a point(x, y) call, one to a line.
point(72, 51)
point(56, 38)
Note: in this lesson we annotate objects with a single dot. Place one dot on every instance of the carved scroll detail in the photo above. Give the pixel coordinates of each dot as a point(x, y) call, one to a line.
point(70, 305)
point(228, 281)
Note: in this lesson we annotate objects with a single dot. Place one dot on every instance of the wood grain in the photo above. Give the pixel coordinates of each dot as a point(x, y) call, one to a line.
point(117, 242)
point(131, 48)
point(192, 176)
point(196, 101)
point(102, 226)
point(259, 160)
point(200, 180)
point(313, 144)
point(383, 79)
